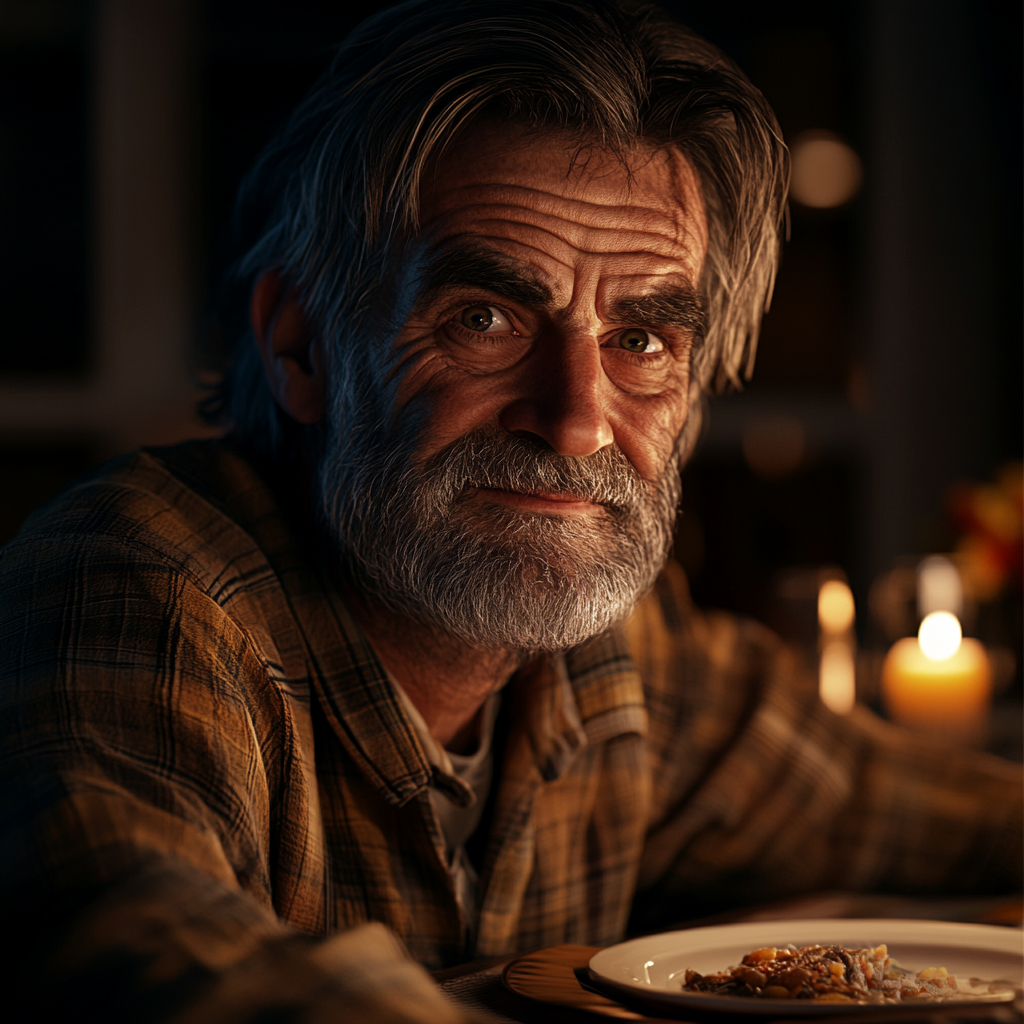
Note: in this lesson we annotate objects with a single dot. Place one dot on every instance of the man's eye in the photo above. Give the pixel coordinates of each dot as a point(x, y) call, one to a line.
point(637, 340)
point(484, 320)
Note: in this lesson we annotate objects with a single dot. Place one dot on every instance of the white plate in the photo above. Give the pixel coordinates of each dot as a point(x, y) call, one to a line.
point(648, 972)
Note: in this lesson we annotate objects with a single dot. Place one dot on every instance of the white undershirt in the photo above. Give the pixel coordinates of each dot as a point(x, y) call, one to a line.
point(457, 823)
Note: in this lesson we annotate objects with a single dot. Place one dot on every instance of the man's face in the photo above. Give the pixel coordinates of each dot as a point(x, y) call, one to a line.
point(510, 471)
point(557, 298)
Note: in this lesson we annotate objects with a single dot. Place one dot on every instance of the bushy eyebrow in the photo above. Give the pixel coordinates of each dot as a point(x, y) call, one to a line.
point(666, 306)
point(458, 266)
point(475, 267)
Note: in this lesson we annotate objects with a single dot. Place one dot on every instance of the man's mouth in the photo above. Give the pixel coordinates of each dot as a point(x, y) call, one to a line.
point(550, 502)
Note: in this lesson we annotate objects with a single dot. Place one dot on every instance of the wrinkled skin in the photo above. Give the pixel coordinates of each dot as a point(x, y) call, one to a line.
point(597, 237)
point(551, 294)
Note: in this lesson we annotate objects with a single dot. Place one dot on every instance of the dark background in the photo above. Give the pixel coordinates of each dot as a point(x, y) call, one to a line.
point(894, 340)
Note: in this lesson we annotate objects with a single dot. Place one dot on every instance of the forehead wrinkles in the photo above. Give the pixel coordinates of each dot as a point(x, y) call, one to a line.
point(584, 224)
point(552, 243)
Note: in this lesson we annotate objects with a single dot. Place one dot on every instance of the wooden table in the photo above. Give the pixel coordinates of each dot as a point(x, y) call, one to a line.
point(478, 985)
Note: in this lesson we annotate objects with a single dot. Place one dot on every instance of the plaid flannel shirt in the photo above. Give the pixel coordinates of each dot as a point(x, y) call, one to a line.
point(209, 784)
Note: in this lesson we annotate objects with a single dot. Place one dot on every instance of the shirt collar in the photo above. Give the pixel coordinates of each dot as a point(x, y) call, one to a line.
point(446, 777)
point(589, 695)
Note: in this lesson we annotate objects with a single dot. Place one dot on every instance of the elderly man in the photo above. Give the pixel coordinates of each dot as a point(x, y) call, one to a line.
point(404, 650)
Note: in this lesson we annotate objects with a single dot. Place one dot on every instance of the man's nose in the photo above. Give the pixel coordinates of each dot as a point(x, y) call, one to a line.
point(562, 397)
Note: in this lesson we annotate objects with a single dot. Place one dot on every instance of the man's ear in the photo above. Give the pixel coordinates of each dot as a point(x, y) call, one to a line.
point(292, 360)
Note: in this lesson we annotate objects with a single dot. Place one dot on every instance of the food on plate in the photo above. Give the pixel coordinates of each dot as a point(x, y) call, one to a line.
point(825, 974)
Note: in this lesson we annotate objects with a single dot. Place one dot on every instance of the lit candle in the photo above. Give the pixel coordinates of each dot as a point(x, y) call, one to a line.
point(939, 681)
point(837, 667)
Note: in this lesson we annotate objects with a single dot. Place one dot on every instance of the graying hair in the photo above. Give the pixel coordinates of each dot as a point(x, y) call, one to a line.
point(336, 192)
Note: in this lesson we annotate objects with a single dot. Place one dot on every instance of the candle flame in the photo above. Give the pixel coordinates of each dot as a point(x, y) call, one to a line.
point(940, 635)
point(836, 610)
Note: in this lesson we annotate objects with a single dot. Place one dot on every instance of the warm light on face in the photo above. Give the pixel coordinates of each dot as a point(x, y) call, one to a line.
point(939, 635)
point(835, 607)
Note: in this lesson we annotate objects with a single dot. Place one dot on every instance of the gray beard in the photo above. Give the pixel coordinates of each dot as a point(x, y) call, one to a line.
point(489, 575)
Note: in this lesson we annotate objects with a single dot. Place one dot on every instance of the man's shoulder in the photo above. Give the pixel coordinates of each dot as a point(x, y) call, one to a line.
point(191, 506)
point(667, 619)
point(664, 622)
point(690, 656)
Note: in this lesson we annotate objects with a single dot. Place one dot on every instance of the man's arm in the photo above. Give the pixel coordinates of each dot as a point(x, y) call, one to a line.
point(761, 791)
point(137, 794)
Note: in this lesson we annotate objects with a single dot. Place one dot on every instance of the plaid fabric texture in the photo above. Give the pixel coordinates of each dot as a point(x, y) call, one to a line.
point(207, 777)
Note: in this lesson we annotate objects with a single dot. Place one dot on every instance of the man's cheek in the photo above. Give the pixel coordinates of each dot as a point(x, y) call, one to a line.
point(649, 435)
point(450, 401)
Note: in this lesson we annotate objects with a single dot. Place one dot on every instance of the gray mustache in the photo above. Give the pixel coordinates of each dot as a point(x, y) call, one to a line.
point(497, 461)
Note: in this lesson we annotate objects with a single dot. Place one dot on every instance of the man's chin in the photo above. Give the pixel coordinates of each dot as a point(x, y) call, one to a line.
point(540, 533)
point(493, 595)
point(541, 563)
point(493, 573)
point(533, 627)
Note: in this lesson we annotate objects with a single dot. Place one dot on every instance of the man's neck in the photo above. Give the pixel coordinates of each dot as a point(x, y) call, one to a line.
point(447, 680)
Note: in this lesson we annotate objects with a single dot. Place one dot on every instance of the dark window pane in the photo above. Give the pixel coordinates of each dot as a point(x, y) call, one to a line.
point(44, 203)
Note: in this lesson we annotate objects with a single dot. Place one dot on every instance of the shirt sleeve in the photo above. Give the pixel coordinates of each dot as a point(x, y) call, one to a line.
point(761, 792)
point(136, 860)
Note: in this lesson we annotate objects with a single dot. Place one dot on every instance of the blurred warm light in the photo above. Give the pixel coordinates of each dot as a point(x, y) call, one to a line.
point(835, 607)
point(837, 679)
point(983, 567)
point(826, 170)
point(940, 635)
point(938, 587)
point(950, 697)
point(774, 446)
point(990, 517)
